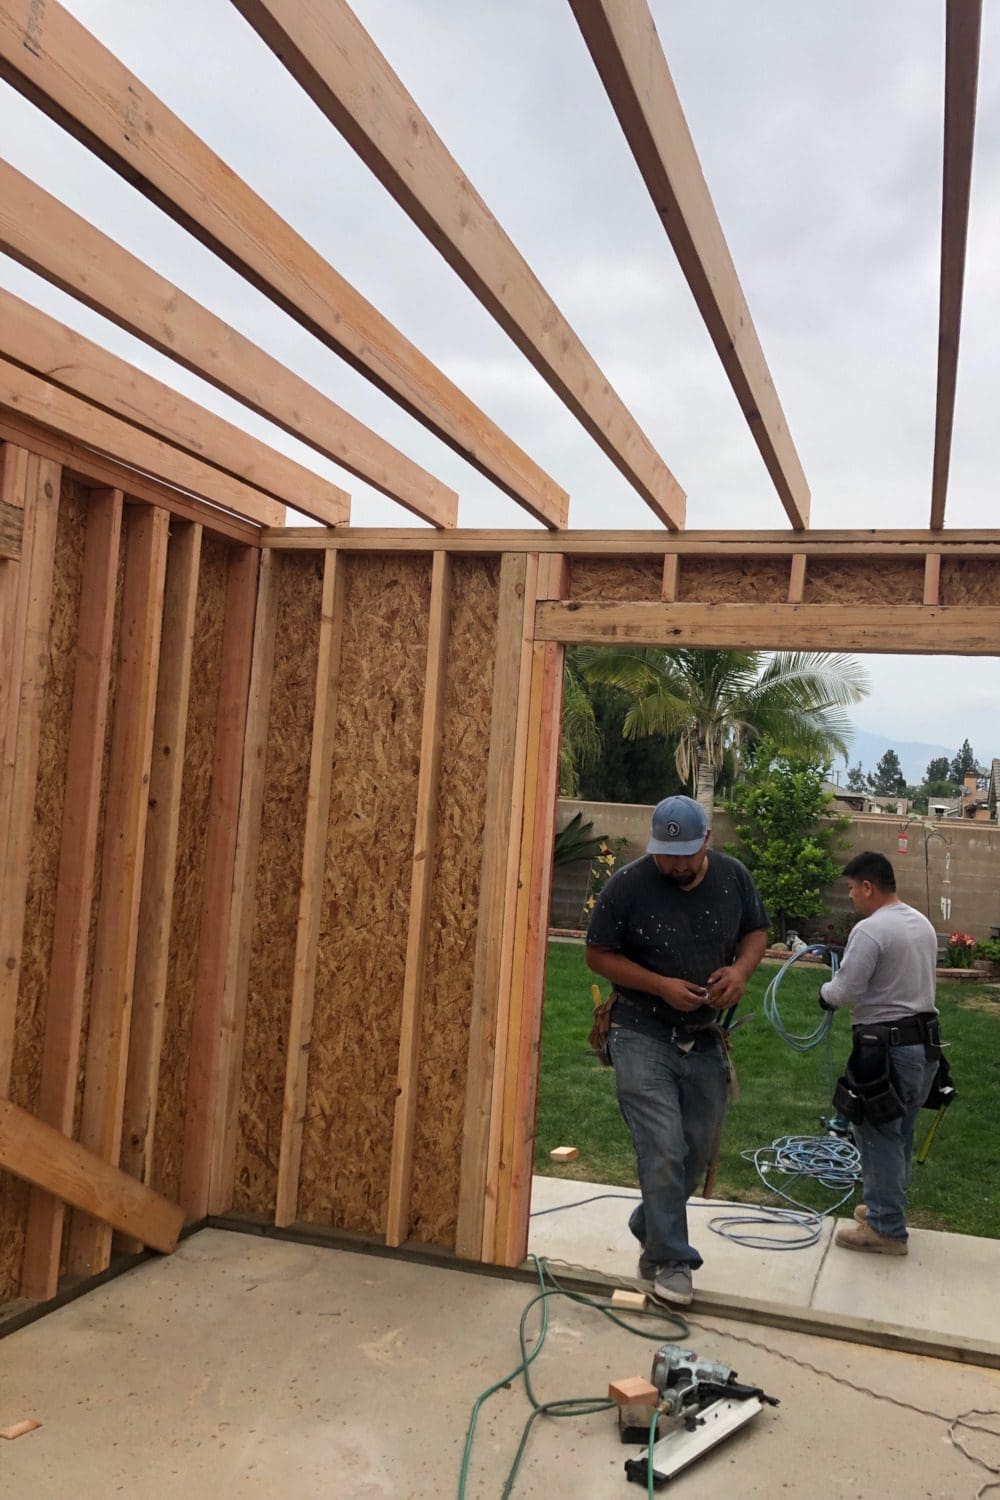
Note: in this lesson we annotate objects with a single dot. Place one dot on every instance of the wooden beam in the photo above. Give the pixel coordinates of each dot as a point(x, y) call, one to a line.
point(485, 997)
point(43, 234)
point(67, 987)
point(671, 575)
point(961, 630)
point(964, 22)
point(25, 596)
point(738, 545)
point(932, 578)
point(234, 1003)
point(149, 997)
point(623, 42)
point(39, 1154)
point(64, 70)
point(11, 531)
point(43, 402)
point(421, 880)
point(126, 807)
point(293, 1111)
point(93, 470)
point(797, 578)
point(534, 888)
point(48, 348)
point(327, 50)
point(217, 901)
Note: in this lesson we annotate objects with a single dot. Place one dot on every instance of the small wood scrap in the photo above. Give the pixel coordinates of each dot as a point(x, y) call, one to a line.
point(19, 1429)
point(620, 1297)
point(564, 1153)
point(633, 1391)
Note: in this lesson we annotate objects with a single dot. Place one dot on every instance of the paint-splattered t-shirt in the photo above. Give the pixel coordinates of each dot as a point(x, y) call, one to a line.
point(679, 934)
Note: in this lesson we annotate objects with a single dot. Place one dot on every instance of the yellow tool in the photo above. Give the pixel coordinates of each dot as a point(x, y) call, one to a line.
point(595, 994)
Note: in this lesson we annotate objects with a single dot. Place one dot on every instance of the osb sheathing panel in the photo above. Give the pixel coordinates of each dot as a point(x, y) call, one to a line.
point(189, 886)
point(454, 903)
point(864, 580)
point(279, 872)
point(43, 869)
point(628, 578)
point(347, 1138)
point(732, 580)
point(972, 580)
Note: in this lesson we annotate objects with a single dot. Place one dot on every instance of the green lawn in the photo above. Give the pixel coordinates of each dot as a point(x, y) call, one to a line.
point(782, 1093)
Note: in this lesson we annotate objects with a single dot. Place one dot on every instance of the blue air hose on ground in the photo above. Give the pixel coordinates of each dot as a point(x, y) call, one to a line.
point(832, 1160)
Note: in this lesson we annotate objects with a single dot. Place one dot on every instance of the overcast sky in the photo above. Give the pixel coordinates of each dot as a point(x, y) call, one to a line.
point(819, 130)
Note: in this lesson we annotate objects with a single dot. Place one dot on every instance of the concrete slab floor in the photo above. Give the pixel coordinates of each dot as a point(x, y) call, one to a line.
point(243, 1366)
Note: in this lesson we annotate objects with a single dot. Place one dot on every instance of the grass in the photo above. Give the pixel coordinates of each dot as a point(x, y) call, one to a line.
point(782, 1093)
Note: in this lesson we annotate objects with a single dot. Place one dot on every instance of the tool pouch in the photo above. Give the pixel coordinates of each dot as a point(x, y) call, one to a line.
point(943, 1091)
point(597, 1038)
point(866, 1091)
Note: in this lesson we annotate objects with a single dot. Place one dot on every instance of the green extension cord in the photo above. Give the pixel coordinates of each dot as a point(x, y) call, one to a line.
point(573, 1406)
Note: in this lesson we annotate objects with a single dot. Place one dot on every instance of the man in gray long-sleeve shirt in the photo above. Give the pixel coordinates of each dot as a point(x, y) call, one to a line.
point(887, 979)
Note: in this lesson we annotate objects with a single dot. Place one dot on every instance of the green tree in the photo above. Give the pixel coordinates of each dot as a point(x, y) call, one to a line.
point(937, 770)
point(582, 742)
point(857, 780)
point(964, 763)
point(714, 702)
point(785, 836)
point(888, 778)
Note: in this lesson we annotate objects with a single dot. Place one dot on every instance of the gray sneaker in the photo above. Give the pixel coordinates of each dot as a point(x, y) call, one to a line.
point(672, 1283)
point(645, 1271)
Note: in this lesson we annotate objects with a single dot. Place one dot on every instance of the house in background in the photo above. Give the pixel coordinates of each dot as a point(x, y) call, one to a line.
point(993, 799)
point(977, 789)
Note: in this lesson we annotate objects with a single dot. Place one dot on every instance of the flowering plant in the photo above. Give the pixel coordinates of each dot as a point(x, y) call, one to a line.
point(602, 867)
point(960, 950)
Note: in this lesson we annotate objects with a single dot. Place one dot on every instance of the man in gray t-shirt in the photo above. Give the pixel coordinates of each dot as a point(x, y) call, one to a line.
point(887, 978)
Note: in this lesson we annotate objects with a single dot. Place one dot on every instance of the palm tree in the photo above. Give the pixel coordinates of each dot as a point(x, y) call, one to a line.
point(582, 742)
point(716, 702)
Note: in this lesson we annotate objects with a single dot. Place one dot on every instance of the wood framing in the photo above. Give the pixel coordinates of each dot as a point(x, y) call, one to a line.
point(498, 831)
point(622, 39)
point(149, 998)
point(932, 578)
point(328, 51)
point(797, 578)
point(244, 882)
point(63, 69)
point(47, 237)
point(964, 23)
point(11, 531)
point(310, 902)
point(121, 873)
point(961, 630)
point(49, 404)
point(421, 878)
point(77, 870)
point(54, 352)
point(42, 1156)
point(208, 1019)
point(32, 484)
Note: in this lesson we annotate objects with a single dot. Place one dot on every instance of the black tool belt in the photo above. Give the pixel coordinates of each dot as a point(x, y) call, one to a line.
point(910, 1031)
point(867, 1091)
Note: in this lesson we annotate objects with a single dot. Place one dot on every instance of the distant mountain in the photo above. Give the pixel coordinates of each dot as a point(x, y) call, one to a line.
point(914, 755)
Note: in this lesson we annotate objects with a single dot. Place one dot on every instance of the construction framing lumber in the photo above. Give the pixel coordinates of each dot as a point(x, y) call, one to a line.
point(54, 407)
point(498, 830)
point(208, 1017)
point(331, 633)
point(327, 50)
point(49, 349)
point(234, 1002)
point(42, 1156)
point(623, 42)
point(50, 239)
point(962, 31)
point(11, 531)
point(960, 630)
point(127, 806)
point(77, 870)
point(64, 70)
point(32, 484)
point(149, 999)
point(421, 880)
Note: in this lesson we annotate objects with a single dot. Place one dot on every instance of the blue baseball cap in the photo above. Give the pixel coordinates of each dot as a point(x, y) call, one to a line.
point(679, 827)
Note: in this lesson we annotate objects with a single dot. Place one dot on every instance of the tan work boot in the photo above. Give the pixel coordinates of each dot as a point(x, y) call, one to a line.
point(861, 1236)
point(861, 1212)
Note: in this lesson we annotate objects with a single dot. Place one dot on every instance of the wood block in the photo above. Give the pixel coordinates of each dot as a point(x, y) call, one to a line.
point(620, 1297)
point(633, 1391)
point(564, 1153)
point(19, 1429)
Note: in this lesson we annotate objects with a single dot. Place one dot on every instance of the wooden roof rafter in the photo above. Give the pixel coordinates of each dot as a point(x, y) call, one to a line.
point(333, 58)
point(66, 72)
point(50, 239)
point(623, 42)
point(963, 26)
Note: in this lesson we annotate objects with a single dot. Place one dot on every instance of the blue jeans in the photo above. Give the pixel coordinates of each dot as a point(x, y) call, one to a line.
point(673, 1103)
point(887, 1150)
